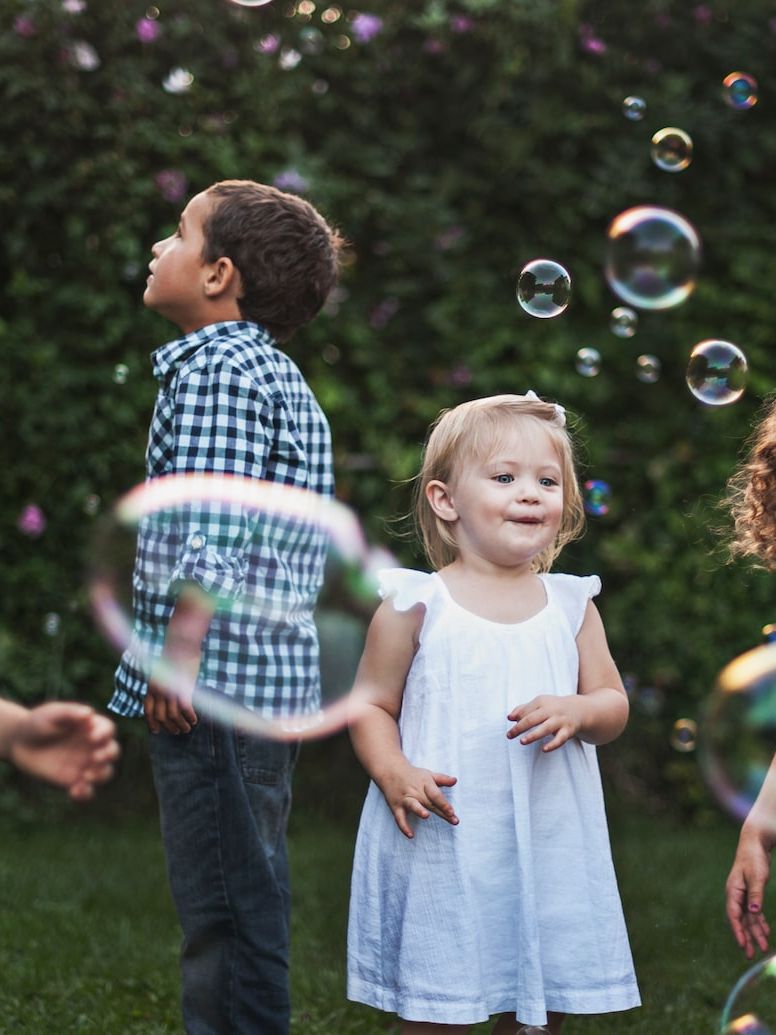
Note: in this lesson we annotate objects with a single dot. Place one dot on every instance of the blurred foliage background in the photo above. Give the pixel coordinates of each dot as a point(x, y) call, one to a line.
point(451, 142)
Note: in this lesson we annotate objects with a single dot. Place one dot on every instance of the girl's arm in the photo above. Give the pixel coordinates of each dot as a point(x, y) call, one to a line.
point(745, 886)
point(597, 713)
point(391, 643)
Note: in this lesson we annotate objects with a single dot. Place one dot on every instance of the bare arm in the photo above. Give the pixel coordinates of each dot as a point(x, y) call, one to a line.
point(167, 703)
point(745, 886)
point(390, 647)
point(597, 713)
point(62, 742)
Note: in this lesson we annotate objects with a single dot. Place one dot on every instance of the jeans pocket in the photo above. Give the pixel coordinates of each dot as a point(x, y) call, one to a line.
point(265, 762)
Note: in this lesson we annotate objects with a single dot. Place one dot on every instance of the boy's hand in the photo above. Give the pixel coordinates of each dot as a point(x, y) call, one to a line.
point(167, 704)
point(744, 890)
point(544, 716)
point(416, 791)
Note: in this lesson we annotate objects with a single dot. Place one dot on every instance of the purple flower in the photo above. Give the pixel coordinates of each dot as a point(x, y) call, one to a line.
point(147, 30)
point(267, 44)
point(172, 184)
point(24, 26)
point(291, 179)
point(366, 26)
point(32, 521)
point(593, 45)
point(460, 23)
point(703, 14)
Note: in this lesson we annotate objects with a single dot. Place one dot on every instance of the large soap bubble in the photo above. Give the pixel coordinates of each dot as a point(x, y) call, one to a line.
point(268, 560)
point(737, 732)
point(652, 257)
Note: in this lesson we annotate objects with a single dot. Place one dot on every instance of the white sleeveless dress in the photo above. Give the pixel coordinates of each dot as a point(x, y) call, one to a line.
point(516, 909)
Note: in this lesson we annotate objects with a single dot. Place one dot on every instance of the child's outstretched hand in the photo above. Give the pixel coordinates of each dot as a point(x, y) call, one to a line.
point(745, 888)
point(411, 791)
point(544, 716)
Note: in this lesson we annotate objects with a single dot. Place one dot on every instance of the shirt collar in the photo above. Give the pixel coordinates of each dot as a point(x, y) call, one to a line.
point(168, 357)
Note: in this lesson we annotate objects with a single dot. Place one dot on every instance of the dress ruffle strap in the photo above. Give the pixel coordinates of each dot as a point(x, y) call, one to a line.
point(406, 587)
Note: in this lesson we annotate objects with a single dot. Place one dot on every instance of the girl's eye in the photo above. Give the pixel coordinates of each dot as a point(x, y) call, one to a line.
point(504, 479)
point(547, 482)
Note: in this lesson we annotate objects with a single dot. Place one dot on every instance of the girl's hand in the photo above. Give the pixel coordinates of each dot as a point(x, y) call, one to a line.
point(544, 716)
point(412, 791)
point(744, 890)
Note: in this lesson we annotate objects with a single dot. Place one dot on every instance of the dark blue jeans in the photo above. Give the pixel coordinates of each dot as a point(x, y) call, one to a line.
point(224, 800)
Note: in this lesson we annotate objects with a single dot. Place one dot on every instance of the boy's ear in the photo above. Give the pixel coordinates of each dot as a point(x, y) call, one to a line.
point(440, 501)
point(221, 277)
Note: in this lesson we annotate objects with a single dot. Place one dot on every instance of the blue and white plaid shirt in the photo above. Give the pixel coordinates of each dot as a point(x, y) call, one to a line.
point(230, 403)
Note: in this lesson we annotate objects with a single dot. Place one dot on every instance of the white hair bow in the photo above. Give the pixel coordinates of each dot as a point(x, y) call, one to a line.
point(560, 412)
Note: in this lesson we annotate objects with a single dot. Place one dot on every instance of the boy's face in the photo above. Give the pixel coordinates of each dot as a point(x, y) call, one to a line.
point(175, 286)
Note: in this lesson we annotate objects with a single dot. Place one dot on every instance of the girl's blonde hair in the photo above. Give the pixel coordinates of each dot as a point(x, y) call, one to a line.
point(751, 495)
point(472, 431)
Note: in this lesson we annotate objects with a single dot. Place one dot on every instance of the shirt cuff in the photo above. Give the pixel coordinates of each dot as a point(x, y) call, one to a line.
point(219, 575)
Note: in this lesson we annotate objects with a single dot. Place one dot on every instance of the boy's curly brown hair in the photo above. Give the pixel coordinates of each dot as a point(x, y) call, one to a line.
point(751, 494)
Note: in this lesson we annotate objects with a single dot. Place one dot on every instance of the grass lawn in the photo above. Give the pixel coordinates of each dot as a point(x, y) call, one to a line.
point(88, 937)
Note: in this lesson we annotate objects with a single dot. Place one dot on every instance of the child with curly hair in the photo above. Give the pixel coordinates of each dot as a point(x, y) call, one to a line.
point(751, 499)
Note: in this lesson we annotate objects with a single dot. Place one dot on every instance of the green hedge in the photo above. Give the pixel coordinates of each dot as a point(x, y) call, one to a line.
point(452, 143)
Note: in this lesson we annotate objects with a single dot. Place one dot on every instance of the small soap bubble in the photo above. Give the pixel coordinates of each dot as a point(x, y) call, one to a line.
point(652, 257)
point(717, 372)
point(623, 322)
point(684, 735)
point(740, 90)
point(596, 495)
point(751, 1006)
point(634, 108)
point(120, 373)
point(737, 731)
point(543, 288)
point(648, 368)
point(52, 624)
point(218, 532)
point(250, 3)
point(671, 149)
point(178, 80)
point(311, 40)
point(588, 362)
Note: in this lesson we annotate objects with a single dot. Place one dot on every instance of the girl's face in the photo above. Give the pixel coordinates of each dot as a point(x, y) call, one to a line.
point(506, 508)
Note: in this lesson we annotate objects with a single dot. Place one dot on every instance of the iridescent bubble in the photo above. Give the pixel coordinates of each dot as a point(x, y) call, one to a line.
point(588, 362)
point(671, 149)
point(623, 322)
point(250, 3)
point(717, 372)
point(543, 288)
point(737, 734)
point(648, 368)
point(218, 532)
point(634, 108)
point(596, 495)
point(120, 373)
point(652, 257)
point(751, 1006)
point(684, 735)
point(740, 90)
point(178, 80)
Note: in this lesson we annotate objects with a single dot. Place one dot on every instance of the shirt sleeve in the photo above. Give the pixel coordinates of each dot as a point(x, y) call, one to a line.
point(222, 426)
